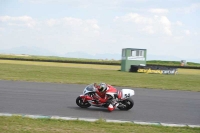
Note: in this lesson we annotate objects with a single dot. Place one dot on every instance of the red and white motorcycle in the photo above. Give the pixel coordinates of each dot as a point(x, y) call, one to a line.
point(122, 98)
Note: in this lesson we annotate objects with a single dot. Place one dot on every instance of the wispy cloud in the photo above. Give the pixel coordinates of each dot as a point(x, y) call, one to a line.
point(187, 32)
point(34, 1)
point(18, 21)
point(52, 22)
point(75, 24)
point(192, 8)
point(158, 10)
point(179, 23)
point(148, 24)
point(166, 25)
point(135, 18)
point(148, 29)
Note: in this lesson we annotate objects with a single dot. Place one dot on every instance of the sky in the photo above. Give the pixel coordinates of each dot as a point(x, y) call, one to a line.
point(166, 28)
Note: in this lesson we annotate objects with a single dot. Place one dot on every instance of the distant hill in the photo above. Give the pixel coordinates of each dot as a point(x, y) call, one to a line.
point(90, 56)
point(27, 50)
point(80, 54)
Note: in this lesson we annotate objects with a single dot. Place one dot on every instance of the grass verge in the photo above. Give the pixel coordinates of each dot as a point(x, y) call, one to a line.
point(85, 74)
point(17, 124)
point(102, 61)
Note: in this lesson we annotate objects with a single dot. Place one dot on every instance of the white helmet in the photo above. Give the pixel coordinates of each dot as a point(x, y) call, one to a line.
point(102, 87)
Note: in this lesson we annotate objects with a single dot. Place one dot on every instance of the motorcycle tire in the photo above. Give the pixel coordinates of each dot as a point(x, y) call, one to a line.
point(80, 103)
point(128, 104)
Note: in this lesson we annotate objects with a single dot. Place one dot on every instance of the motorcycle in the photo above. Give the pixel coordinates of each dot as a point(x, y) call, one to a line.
point(121, 98)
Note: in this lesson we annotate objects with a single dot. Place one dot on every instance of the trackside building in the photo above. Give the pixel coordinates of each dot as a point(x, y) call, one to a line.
point(132, 56)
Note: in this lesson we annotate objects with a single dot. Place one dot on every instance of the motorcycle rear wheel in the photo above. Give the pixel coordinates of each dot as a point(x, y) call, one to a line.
point(128, 104)
point(80, 103)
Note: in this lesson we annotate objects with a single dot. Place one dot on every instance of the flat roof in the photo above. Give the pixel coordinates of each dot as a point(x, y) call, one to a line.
point(135, 48)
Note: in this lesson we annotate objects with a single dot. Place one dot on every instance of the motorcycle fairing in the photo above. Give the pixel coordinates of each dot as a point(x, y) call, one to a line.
point(126, 93)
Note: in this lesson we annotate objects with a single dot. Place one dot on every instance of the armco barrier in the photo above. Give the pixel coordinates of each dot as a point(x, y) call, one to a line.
point(63, 61)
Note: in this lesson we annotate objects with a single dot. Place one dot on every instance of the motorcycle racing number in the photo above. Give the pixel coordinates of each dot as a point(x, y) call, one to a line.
point(127, 95)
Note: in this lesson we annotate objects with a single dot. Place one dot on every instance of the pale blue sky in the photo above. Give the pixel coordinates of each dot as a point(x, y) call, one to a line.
point(163, 27)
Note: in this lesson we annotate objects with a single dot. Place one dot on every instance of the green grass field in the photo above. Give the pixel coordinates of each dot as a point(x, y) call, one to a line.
point(27, 125)
point(186, 79)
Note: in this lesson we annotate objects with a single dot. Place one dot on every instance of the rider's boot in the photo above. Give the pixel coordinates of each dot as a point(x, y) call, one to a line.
point(113, 105)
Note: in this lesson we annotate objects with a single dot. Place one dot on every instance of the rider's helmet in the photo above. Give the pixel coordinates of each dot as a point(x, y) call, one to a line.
point(102, 87)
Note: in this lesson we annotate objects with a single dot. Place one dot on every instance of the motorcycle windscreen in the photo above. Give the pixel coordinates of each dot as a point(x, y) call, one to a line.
point(89, 88)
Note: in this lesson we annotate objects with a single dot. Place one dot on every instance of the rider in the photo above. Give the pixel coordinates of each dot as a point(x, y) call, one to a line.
point(102, 90)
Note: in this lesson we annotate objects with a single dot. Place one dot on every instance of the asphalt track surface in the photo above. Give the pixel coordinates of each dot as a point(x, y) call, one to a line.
point(178, 107)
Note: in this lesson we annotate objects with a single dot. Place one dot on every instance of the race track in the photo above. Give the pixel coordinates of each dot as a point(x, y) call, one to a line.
point(181, 107)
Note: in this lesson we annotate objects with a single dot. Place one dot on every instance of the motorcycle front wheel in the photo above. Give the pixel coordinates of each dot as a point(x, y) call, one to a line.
point(80, 103)
point(126, 104)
